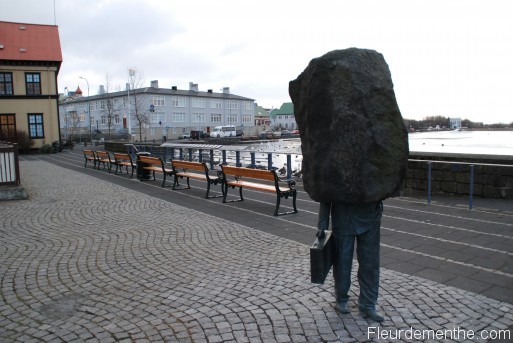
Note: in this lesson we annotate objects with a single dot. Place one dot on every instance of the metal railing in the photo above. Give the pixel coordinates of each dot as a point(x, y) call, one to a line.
point(471, 180)
point(216, 154)
point(9, 164)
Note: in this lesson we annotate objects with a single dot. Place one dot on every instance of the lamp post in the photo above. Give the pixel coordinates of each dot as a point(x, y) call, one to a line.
point(88, 112)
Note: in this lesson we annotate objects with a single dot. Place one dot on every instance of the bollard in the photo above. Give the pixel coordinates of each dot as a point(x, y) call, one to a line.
point(237, 159)
point(471, 190)
point(429, 182)
point(289, 164)
point(253, 163)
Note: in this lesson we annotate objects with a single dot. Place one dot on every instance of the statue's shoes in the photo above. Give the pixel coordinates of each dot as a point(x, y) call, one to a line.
point(372, 315)
point(342, 307)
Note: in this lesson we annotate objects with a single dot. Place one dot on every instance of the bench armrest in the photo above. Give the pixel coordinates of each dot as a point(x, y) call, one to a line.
point(290, 182)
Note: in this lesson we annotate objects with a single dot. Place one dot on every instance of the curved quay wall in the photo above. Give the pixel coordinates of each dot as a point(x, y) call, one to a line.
point(482, 176)
point(451, 174)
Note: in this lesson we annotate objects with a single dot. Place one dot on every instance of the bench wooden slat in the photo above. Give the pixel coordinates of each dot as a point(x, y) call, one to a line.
point(237, 177)
point(103, 157)
point(124, 160)
point(249, 172)
point(194, 170)
point(89, 155)
point(154, 164)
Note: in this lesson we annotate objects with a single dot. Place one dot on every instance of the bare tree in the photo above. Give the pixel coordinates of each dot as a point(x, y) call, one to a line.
point(110, 112)
point(140, 112)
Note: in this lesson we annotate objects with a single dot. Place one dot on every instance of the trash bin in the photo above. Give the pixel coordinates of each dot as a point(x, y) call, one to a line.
point(142, 174)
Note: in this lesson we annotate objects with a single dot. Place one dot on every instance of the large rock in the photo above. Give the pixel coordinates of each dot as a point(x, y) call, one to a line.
point(354, 143)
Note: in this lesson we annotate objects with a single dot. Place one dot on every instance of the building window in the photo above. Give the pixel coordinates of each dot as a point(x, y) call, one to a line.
point(7, 126)
point(179, 101)
point(198, 103)
point(6, 84)
point(232, 105)
point(247, 105)
point(198, 117)
point(231, 118)
point(36, 129)
point(246, 118)
point(216, 118)
point(218, 104)
point(178, 117)
point(33, 83)
point(158, 118)
point(157, 101)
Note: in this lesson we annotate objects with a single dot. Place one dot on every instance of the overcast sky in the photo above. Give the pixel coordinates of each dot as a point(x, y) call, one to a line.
point(447, 57)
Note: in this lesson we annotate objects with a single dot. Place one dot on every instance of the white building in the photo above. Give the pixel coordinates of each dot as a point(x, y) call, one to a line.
point(455, 123)
point(283, 118)
point(158, 112)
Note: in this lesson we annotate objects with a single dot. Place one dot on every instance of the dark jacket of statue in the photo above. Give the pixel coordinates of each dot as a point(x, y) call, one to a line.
point(350, 219)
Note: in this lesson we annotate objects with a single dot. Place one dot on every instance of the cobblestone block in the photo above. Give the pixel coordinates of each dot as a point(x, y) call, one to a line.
point(79, 262)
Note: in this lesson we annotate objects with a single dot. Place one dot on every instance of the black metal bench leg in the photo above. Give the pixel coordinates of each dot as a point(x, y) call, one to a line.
point(225, 191)
point(278, 197)
point(208, 190)
point(294, 201)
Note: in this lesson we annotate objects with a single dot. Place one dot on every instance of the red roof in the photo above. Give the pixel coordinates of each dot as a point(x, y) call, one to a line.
point(29, 42)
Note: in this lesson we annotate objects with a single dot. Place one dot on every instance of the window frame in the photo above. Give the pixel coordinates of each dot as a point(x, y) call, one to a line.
point(6, 86)
point(11, 127)
point(179, 101)
point(36, 129)
point(33, 87)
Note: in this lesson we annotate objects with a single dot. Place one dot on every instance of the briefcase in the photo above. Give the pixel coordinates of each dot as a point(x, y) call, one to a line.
point(321, 258)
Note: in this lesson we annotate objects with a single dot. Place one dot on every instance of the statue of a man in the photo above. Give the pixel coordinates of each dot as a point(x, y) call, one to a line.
point(355, 154)
point(360, 224)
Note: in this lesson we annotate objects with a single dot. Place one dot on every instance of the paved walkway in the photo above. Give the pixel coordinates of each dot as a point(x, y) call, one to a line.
point(86, 260)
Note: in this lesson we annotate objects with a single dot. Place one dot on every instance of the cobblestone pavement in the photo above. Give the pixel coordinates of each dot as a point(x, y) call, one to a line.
point(85, 260)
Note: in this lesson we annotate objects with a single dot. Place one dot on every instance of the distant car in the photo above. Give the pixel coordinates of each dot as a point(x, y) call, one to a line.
point(267, 134)
point(239, 133)
point(185, 135)
point(295, 132)
point(286, 133)
point(198, 134)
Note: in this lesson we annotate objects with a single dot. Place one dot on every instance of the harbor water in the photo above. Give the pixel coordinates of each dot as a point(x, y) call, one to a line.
point(276, 151)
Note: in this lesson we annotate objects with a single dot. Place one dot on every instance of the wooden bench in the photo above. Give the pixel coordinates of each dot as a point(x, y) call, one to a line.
point(124, 160)
point(238, 177)
point(153, 164)
point(89, 155)
point(104, 157)
point(194, 170)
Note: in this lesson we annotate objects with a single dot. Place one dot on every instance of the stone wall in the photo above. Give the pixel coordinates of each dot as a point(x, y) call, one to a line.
point(492, 176)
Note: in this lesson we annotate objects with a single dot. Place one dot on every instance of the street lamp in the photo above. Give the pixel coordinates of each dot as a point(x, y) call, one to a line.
point(88, 111)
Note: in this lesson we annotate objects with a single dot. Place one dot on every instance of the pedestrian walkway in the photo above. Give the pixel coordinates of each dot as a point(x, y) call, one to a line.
point(86, 260)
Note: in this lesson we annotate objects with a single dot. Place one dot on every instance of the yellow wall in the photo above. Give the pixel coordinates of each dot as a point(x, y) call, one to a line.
point(45, 104)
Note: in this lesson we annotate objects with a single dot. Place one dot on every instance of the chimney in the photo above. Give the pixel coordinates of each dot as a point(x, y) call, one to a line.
point(127, 86)
point(226, 90)
point(102, 89)
point(174, 88)
point(193, 87)
point(154, 84)
point(210, 91)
